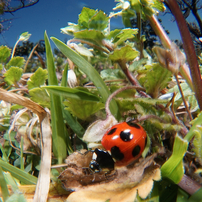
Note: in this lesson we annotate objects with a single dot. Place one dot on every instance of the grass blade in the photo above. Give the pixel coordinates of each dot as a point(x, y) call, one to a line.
point(21, 175)
point(3, 185)
point(58, 128)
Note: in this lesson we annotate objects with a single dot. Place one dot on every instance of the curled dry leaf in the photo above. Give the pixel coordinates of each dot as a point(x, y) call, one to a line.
point(121, 185)
point(18, 99)
point(78, 173)
point(97, 129)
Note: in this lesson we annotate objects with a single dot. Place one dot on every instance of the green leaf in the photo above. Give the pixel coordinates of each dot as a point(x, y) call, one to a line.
point(112, 74)
point(73, 123)
point(13, 75)
point(71, 29)
point(182, 196)
point(136, 5)
point(24, 36)
point(90, 71)
point(21, 175)
point(72, 93)
point(17, 197)
point(196, 123)
point(85, 16)
point(38, 78)
point(81, 49)
point(126, 16)
point(196, 197)
point(137, 64)
point(165, 126)
point(173, 167)
point(3, 185)
point(147, 103)
point(11, 181)
point(16, 62)
point(126, 53)
point(113, 33)
point(60, 140)
point(82, 108)
point(64, 76)
point(5, 53)
point(124, 35)
point(99, 21)
point(197, 142)
point(159, 5)
point(92, 35)
point(156, 79)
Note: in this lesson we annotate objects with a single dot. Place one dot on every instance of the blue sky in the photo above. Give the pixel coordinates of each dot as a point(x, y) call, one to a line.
point(54, 14)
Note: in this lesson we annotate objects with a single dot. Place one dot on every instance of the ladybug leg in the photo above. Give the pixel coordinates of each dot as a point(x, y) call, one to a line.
point(94, 166)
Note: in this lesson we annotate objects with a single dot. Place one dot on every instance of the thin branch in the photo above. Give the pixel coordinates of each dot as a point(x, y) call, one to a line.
point(13, 9)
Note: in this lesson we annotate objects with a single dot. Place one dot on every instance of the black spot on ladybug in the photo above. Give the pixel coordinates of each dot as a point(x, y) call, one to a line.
point(126, 135)
point(112, 131)
point(133, 125)
point(116, 153)
point(136, 151)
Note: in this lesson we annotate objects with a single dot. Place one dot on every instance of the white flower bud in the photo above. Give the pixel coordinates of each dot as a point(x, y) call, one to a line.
point(71, 79)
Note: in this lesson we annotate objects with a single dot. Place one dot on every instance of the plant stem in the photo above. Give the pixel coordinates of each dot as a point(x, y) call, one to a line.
point(189, 185)
point(108, 112)
point(13, 51)
point(139, 34)
point(30, 55)
point(160, 32)
point(131, 78)
point(189, 50)
point(166, 42)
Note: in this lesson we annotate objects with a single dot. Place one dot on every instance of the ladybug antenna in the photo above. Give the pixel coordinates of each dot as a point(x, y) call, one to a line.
point(108, 112)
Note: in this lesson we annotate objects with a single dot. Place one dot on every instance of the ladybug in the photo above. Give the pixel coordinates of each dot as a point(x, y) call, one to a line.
point(125, 142)
point(101, 160)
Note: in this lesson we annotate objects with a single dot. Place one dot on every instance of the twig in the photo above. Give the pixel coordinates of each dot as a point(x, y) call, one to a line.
point(117, 92)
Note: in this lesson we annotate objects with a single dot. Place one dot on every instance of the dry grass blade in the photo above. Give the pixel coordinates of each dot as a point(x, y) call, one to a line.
point(18, 99)
point(43, 183)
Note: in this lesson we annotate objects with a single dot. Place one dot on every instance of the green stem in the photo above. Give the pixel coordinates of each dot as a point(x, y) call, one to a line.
point(13, 51)
point(139, 25)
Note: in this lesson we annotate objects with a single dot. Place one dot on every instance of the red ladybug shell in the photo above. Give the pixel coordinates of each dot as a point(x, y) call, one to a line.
point(125, 141)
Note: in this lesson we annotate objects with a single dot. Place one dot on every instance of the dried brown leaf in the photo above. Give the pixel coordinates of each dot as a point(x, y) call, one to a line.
point(18, 99)
point(121, 184)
